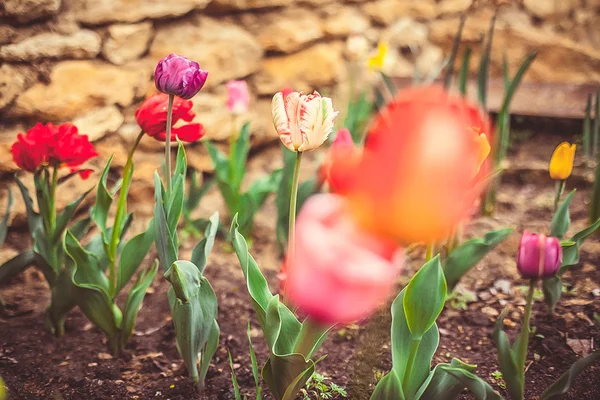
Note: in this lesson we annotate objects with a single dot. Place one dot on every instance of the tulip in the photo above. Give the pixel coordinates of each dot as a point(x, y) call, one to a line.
point(179, 76)
point(50, 145)
point(303, 121)
point(419, 175)
point(377, 62)
point(539, 256)
point(561, 163)
point(343, 156)
point(152, 118)
point(237, 97)
point(339, 274)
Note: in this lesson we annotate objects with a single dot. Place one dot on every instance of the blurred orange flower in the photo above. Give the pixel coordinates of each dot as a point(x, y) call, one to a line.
point(420, 174)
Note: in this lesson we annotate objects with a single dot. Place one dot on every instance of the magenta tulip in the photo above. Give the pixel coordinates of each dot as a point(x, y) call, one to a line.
point(339, 274)
point(539, 256)
point(179, 76)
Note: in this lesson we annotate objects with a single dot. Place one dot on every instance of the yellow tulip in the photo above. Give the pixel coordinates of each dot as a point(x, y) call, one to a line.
point(2, 390)
point(561, 163)
point(376, 62)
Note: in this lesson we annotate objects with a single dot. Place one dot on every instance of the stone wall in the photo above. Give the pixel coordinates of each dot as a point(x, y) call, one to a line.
point(91, 61)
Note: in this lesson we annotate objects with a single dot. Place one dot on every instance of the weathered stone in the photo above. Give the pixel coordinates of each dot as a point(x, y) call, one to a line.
point(405, 32)
point(98, 12)
point(8, 135)
point(13, 80)
point(29, 10)
point(100, 122)
point(82, 44)
point(312, 68)
point(517, 41)
point(77, 87)
point(343, 21)
point(227, 5)
point(127, 42)
point(551, 8)
point(225, 50)
point(454, 6)
point(7, 34)
point(386, 12)
point(284, 31)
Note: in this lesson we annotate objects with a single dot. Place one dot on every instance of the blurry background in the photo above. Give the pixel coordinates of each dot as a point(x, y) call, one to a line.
point(91, 61)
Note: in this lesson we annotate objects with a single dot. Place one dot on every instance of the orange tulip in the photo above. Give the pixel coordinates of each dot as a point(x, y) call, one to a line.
point(420, 171)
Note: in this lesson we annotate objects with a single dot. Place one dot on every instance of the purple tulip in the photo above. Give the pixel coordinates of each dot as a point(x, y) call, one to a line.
point(179, 76)
point(539, 256)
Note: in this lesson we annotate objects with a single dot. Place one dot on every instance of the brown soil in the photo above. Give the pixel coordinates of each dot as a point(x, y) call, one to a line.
point(36, 365)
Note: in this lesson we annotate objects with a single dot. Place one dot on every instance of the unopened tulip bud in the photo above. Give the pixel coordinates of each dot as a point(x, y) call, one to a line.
point(539, 256)
point(561, 163)
point(237, 97)
point(179, 76)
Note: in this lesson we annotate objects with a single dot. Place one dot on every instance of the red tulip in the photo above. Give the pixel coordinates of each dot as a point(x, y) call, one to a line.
point(539, 256)
point(338, 166)
point(339, 274)
point(419, 175)
point(152, 118)
point(50, 145)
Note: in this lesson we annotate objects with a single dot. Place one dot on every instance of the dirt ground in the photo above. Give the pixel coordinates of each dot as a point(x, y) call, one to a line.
point(35, 365)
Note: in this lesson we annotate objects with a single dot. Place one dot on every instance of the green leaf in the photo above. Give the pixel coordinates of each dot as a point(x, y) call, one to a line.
point(254, 362)
point(506, 360)
point(63, 299)
point(467, 255)
point(286, 374)
point(552, 288)
point(104, 199)
point(196, 193)
point(587, 127)
point(4, 222)
point(133, 254)
point(478, 387)
point(401, 348)
point(194, 309)
point(594, 212)
point(389, 84)
point(234, 382)
point(134, 302)
point(454, 52)
point(34, 220)
point(16, 265)
point(563, 384)
point(561, 219)
point(65, 216)
point(202, 250)
point(388, 388)
point(484, 65)
point(441, 385)
point(571, 251)
point(422, 311)
point(167, 251)
point(209, 350)
point(463, 76)
point(255, 197)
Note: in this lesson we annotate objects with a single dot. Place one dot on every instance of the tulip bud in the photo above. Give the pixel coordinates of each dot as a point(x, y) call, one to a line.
point(237, 97)
point(179, 76)
point(302, 121)
point(561, 163)
point(339, 164)
point(539, 256)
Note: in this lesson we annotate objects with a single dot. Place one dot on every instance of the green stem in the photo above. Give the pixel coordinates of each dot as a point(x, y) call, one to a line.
point(430, 251)
point(120, 216)
point(560, 188)
point(309, 336)
point(168, 143)
point(522, 356)
point(52, 190)
point(232, 147)
point(414, 347)
point(293, 203)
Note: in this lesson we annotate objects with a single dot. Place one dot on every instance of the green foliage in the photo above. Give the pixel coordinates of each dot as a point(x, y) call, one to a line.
point(587, 127)
point(318, 387)
point(4, 221)
point(229, 175)
point(561, 219)
point(468, 254)
point(358, 113)
point(291, 343)
point(411, 377)
point(197, 191)
point(563, 384)
point(594, 212)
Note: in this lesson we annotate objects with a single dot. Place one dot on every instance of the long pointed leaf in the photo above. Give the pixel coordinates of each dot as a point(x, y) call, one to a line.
point(4, 222)
point(563, 384)
point(202, 250)
point(133, 254)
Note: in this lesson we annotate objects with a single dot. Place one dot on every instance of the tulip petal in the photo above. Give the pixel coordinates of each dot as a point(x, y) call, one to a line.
point(280, 120)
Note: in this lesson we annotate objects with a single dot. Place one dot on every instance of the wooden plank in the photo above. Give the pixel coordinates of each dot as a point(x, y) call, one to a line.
point(543, 99)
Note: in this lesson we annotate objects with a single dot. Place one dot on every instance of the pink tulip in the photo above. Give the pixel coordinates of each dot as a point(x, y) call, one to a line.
point(177, 75)
point(339, 164)
point(237, 97)
point(539, 256)
point(303, 121)
point(339, 274)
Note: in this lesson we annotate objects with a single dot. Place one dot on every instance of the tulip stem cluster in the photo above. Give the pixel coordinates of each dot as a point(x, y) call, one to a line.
point(168, 142)
point(293, 203)
point(52, 210)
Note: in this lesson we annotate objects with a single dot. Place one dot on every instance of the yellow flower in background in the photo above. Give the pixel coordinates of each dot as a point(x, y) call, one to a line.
point(2, 390)
point(561, 163)
point(376, 62)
